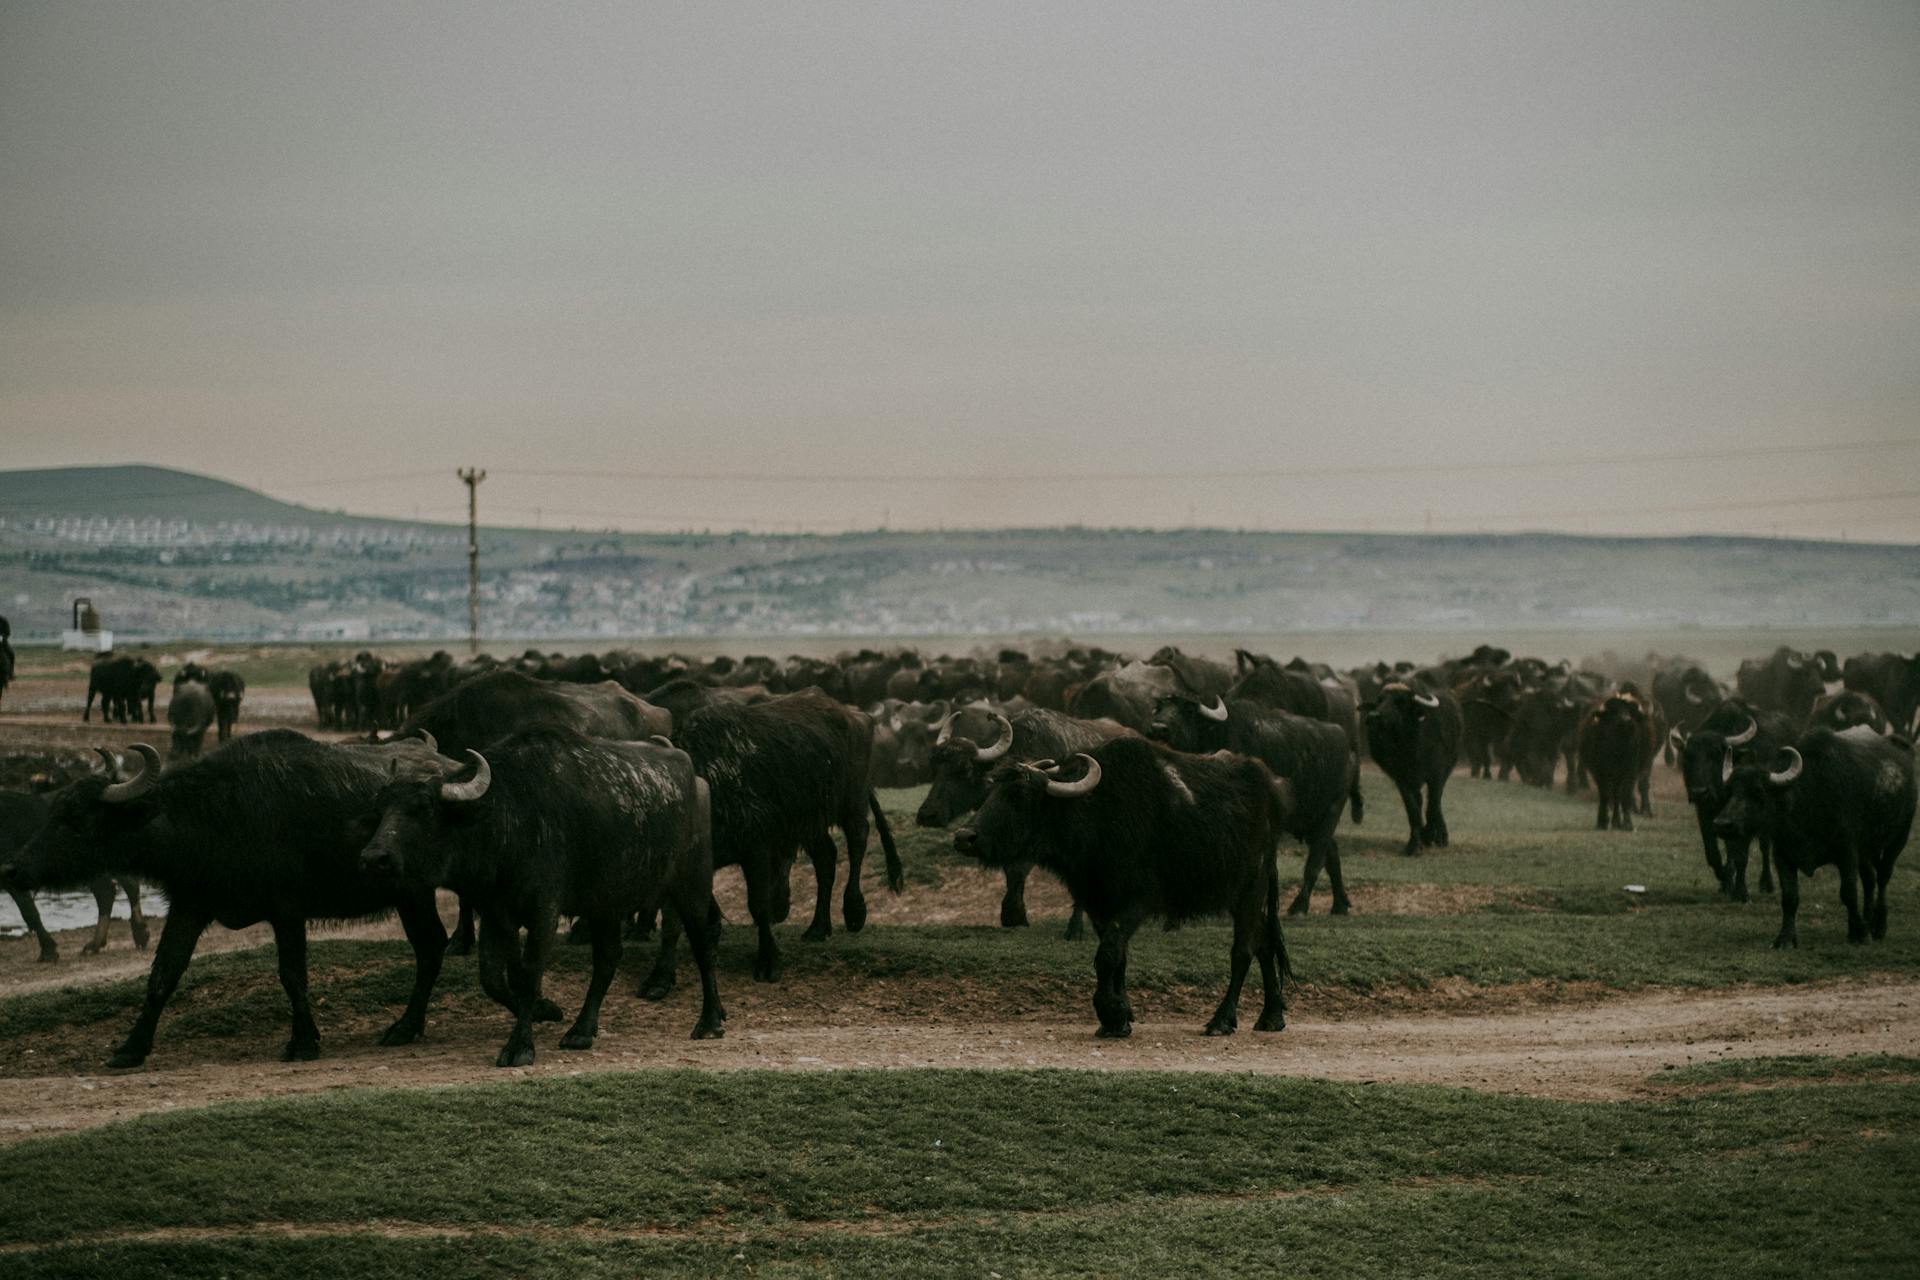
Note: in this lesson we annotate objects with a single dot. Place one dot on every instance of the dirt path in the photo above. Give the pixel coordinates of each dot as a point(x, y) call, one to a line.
point(1601, 1050)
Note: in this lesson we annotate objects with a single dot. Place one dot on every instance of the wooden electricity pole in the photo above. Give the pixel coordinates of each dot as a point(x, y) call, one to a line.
point(471, 477)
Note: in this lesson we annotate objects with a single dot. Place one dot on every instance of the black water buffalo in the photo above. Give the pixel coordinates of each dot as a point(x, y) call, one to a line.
point(1145, 831)
point(553, 822)
point(22, 814)
point(6, 656)
point(1706, 758)
point(1304, 693)
point(1847, 709)
point(190, 713)
point(270, 829)
point(967, 748)
point(1787, 681)
point(1414, 736)
point(1546, 724)
point(1843, 800)
point(1686, 696)
point(1617, 746)
point(228, 688)
point(784, 772)
point(1488, 701)
point(1126, 695)
point(1200, 676)
point(903, 734)
point(475, 712)
point(1892, 679)
point(125, 687)
point(1313, 756)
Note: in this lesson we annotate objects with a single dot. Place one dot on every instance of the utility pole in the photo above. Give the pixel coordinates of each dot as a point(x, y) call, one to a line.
point(471, 477)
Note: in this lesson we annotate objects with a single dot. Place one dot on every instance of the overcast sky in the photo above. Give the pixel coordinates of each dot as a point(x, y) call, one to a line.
point(326, 248)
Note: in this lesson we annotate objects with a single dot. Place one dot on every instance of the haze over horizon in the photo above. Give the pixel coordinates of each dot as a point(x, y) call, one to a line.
point(1480, 266)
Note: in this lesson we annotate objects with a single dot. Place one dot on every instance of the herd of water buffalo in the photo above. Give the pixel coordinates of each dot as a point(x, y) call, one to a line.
point(607, 788)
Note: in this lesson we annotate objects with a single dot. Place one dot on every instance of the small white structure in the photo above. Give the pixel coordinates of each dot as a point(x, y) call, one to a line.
point(86, 634)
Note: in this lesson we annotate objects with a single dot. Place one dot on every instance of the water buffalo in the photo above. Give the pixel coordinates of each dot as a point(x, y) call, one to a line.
point(1892, 679)
point(190, 713)
point(1843, 800)
point(1414, 736)
point(270, 829)
point(553, 821)
point(1706, 758)
point(125, 687)
point(1617, 745)
point(1143, 831)
point(22, 814)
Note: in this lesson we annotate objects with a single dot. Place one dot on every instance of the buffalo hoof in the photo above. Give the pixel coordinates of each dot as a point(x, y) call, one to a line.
point(1119, 1031)
point(708, 1031)
point(580, 935)
point(1786, 940)
point(818, 931)
point(400, 1033)
point(1013, 917)
point(1738, 893)
point(91, 949)
point(545, 1010)
point(296, 1051)
point(577, 1039)
point(124, 1058)
point(1342, 907)
point(48, 954)
point(1412, 850)
point(1272, 1020)
point(657, 987)
point(515, 1056)
point(1298, 907)
point(766, 970)
point(854, 913)
point(896, 880)
point(1625, 823)
point(1219, 1028)
point(140, 937)
point(460, 947)
point(1075, 930)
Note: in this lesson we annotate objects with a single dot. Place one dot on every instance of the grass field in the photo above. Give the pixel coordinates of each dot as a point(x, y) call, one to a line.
point(1751, 1168)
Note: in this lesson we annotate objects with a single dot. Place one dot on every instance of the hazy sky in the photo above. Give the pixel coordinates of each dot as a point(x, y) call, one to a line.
point(327, 248)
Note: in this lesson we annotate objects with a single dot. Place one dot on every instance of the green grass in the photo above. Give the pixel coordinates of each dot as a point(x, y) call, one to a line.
point(1859, 1066)
point(966, 1172)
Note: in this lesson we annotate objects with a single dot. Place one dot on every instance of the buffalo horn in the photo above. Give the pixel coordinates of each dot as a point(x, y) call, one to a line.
point(1746, 735)
point(427, 738)
point(987, 755)
point(474, 787)
point(944, 729)
point(1726, 767)
point(1789, 773)
point(1218, 711)
point(660, 740)
point(1072, 790)
point(112, 762)
point(1428, 700)
point(140, 783)
point(1693, 697)
point(1679, 739)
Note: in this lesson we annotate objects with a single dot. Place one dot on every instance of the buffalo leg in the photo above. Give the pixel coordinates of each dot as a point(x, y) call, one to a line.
point(1076, 925)
point(1435, 832)
point(1789, 907)
point(605, 930)
point(1246, 923)
point(137, 915)
point(1013, 903)
point(1110, 971)
point(703, 932)
point(824, 857)
point(766, 959)
point(49, 949)
point(1878, 922)
point(1272, 950)
point(178, 937)
point(103, 891)
point(500, 976)
point(290, 950)
point(462, 942)
point(421, 919)
point(853, 903)
point(1850, 895)
point(780, 887)
point(1738, 848)
point(1722, 873)
point(1322, 851)
point(1410, 800)
point(1766, 864)
point(659, 980)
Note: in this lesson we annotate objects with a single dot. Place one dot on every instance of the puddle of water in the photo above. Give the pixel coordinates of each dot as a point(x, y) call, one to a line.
point(73, 910)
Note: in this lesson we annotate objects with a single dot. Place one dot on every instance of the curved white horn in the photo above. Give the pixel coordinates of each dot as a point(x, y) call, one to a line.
point(474, 787)
point(1726, 767)
point(660, 740)
point(140, 783)
point(427, 738)
point(112, 762)
point(1428, 700)
point(1693, 697)
point(987, 755)
point(1789, 773)
point(1678, 738)
point(1072, 790)
point(944, 729)
point(1218, 711)
point(1746, 735)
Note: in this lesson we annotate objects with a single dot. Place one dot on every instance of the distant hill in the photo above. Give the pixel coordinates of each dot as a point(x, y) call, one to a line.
point(168, 553)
